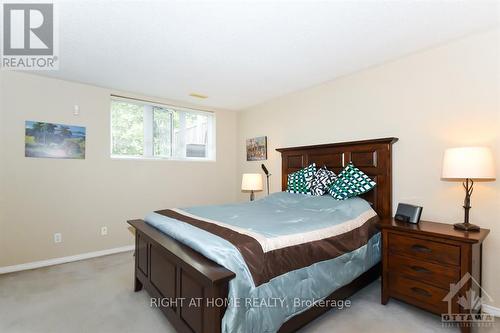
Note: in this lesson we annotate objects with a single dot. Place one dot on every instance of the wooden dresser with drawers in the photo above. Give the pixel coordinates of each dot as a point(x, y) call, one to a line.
point(426, 264)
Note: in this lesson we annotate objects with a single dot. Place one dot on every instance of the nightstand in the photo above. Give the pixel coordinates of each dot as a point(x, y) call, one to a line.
point(420, 261)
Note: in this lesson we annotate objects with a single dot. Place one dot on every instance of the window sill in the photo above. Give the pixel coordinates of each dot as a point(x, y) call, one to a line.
point(141, 158)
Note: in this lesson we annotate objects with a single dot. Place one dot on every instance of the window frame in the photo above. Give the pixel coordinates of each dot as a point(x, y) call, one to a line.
point(211, 137)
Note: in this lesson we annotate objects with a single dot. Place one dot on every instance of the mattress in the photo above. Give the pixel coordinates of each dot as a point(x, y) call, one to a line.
point(316, 244)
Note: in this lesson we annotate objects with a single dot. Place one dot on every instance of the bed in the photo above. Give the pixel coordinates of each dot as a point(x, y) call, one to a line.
point(182, 267)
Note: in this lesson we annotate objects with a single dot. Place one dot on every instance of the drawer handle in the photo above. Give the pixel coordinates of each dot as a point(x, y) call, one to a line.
point(421, 248)
point(421, 291)
point(420, 269)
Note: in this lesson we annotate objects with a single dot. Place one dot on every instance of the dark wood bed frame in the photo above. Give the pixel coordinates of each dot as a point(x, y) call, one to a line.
point(170, 270)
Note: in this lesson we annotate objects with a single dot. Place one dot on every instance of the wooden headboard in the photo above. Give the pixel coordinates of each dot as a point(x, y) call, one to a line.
point(373, 157)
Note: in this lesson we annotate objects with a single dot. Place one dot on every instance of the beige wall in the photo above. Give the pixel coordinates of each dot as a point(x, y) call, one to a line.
point(77, 197)
point(443, 97)
point(2, 174)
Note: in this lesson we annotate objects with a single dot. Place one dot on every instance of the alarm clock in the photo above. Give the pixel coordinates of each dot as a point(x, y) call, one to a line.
point(408, 213)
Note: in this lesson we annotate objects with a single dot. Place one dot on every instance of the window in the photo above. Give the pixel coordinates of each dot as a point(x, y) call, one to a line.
point(147, 130)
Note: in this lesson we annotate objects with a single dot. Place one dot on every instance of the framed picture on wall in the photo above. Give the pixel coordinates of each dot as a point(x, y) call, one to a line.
point(257, 149)
point(48, 140)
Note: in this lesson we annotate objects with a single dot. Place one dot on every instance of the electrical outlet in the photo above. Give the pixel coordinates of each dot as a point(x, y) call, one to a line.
point(57, 237)
point(76, 110)
point(104, 231)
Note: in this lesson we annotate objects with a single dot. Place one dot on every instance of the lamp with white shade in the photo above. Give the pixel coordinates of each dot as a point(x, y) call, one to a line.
point(251, 182)
point(468, 164)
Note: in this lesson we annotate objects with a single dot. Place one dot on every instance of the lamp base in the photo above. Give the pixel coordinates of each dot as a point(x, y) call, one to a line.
point(466, 227)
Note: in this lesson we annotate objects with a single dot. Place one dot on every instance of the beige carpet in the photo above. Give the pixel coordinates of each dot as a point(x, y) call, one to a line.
point(96, 296)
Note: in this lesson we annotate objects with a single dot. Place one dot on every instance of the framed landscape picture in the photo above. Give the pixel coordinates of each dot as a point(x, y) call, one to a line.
point(257, 149)
point(48, 140)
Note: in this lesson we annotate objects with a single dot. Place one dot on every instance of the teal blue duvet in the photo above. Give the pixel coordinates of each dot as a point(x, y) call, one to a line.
point(266, 307)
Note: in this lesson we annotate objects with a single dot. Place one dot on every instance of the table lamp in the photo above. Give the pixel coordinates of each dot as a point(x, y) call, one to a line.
point(251, 182)
point(468, 164)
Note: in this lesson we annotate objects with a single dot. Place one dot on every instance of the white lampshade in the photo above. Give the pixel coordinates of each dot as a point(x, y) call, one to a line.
point(251, 182)
point(468, 162)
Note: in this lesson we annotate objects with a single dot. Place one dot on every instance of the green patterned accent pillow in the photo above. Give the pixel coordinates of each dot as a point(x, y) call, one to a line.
point(300, 181)
point(351, 182)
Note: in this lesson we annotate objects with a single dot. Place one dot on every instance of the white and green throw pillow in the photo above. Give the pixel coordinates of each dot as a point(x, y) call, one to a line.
point(323, 178)
point(300, 181)
point(350, 182)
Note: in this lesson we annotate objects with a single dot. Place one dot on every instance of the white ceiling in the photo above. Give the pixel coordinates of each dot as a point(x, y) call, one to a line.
point(241, 53)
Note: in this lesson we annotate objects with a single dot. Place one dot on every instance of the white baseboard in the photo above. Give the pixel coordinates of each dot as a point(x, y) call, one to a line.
point(491, 310)
point(57, 261)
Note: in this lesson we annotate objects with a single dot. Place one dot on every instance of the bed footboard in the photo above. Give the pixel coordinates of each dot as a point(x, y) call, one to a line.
point(185, 285)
